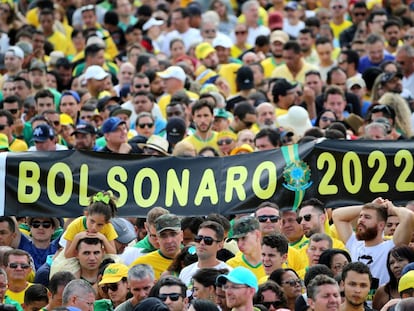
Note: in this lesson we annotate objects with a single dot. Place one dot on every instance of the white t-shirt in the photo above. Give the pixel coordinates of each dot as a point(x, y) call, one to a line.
point(189, 37)
point(187, 273)
point(373, 256)
point(292, 30)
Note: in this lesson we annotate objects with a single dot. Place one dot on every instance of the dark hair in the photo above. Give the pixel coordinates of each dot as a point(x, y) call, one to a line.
point(358, 267)
point(111, 18)
point(333, 90)
point(243, 108)
point(192, 223)
point(381, 210)
point(318, 118)
point(399, 252)
point(35, 293)
point(173, 281)
point(207, 276)
point(43, 94)
point(12, 99)
point(26, 82)
point(204, 305)
point(331, 72)
point(208, 148)
point(327, 255)
point(275, 288)
point(374, 13)
point(267, 204)
point(216, 227)
point(222, 220)
point(317, 204)
point(10, 222)
point(98, 206)
point(272, 134)
point(278, 241)
point(93, 49)
point(292, 45)
point(277, 275)
point(312, 22)
point(8, 115)
point(199, 104)
point(89, 241)
point(58, 279)
point(316, 270)
point(352, 57)
point(186, 257)
point(15, 252)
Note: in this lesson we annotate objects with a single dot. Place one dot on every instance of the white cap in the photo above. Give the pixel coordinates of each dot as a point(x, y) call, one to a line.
point(297, 118)
point(95, 72)
point(95, 40)
point(16, 51)
point(223, 41)
point(173, 72)
point(152, 22)
point(355, 81)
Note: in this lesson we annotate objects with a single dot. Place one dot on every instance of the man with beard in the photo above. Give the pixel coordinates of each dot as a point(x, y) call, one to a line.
point(266, 117)
point(367, 244)
point(392, 34)
point(203, 118)
point(277, 39)
point(85, 136)
point(356, 278)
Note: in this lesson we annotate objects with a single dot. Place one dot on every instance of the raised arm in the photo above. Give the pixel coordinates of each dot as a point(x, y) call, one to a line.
point(403, 233)
point(343, 217)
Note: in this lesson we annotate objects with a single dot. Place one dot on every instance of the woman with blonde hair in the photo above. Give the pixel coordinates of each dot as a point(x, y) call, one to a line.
point(402, 112)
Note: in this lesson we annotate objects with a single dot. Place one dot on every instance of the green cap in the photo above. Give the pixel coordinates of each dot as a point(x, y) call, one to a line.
point(103, 305)
point(244, 225)
point(167, 222)
point(221, 113)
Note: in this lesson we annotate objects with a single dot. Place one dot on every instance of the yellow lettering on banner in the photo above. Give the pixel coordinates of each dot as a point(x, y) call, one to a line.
point(113, 183)
point(67, 178)
point(268, 192)
point(29, 175)
point(83, 185)
point(376, 185)
point(233, 183)
point(207, 188)
point(352, 162)
point(404, 156)
point(155, 187)
point(324, 187)
point(177, 187)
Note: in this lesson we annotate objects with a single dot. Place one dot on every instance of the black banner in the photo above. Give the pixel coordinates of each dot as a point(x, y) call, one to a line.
point(337, 172)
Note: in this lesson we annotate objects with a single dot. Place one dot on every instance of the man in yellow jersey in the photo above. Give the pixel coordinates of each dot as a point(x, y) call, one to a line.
point(18, 267)
point(292, 229)
point(246, 230)
point(170, 237)
point(203, 118)
point(274, 253)
point(6, 127)
point(277, 39)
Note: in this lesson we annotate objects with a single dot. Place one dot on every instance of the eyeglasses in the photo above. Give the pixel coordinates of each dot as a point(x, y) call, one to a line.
point(275, 304)
point(232, 287)
point(226, 141)
point(14, 265)
point(112, 286)
point(306, 217)
point(172, 296)
point(143, 125)
point(13, 111)
point(408, 37)
point(2, 126)
point(242, 32)
point(293, 283)
point(44, 224)
point(272, 218)
point(326, 119)
point(138, 86)
point(337, 7)
point(207, 239)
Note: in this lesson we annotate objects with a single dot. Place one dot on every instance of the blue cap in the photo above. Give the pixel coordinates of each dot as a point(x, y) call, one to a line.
point(111, 124)
point(43, 132)
point(239, 275)
point(408, 267)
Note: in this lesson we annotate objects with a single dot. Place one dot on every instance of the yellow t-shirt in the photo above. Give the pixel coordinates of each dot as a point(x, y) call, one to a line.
point(240, 261)
point(19, 297)
point(200, 144)
point(166, 99)
point(60, 42)
point(269, 65)
point(228, 72)
point(235, 51)
point(299, 244)
point(295, 260)
point(263, 18)
point(156, 260)
point(283, 71)
point(79, 225)
point(18, 145)
point(337, 29)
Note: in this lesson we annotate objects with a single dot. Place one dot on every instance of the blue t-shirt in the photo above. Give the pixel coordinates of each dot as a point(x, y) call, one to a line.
point(365, 63)
point(39, 255)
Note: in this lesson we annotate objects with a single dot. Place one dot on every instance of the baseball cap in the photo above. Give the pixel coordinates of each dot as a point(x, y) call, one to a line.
point(151, 304)
point(275, 20)
point(280, 36)
point(102, 101)
point(111, 124)
point(167, 222)
point(84, 128)
point(175, 130)
point(26, 47)
point(4, 142)
point(406, 281)
point(42, 133)
point(239, 275)
point(194, 9)
point(244, 78)
point(351, 82)
point(203, 50)
point(244, 225)
point(292, 5)
point(221, 113)
point(223, 41)
point(388, 76)
point(16, 51)
point(114, 273)
point(173, 72)
point(152, 22)
point(95, 72)
point(124, 229)
point(116, 110)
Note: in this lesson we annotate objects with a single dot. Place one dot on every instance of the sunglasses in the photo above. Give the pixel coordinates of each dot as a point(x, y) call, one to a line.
point(14, 265)
point(2, 126)
point(360, 14)
point(226, 141)
point(138, 86)
point(13, 111)
point(208, 240)
point(272, 218)
point(143, 125)
point(173, 296)
point(408, 37)
point(293, 283)
point(44, 224)
point(268, 304)
point(326, 119)
point(307, 217)
point(112, 286)
point(240, 32)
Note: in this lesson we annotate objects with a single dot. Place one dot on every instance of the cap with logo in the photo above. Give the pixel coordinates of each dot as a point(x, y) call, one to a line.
point(124, 229)
point(203, 50)
point(175, 72)
point(167, 222)
point(239, 275)
point(244, 225)
point(114, 273)
point(43, 132)
point(175, 130)
point(221, 113)
point(244, 78)
point(388, 76)
point(37, 65)
point(111, 124)
point(84, 128)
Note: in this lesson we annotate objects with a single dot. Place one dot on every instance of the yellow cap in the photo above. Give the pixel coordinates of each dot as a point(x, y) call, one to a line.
point(66, 119)
point(114, 273)
point(229, 134)
point(203, 50)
